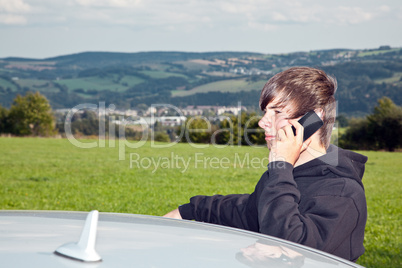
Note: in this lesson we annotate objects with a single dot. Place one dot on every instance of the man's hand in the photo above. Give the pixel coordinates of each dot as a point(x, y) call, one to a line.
point(174, 214)
point(287, 146)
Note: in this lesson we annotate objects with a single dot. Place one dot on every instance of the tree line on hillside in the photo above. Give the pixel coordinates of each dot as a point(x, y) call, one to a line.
point(242, 129)
point(380, 130)
point(358, 88)
point(31, 115)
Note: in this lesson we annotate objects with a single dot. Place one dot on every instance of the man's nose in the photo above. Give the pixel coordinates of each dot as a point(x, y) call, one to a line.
point(264, 123)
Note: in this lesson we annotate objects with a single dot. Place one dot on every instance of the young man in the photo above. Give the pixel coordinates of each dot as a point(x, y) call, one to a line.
point(312, 192)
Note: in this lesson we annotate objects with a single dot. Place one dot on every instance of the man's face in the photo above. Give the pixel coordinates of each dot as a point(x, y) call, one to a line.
point(275, 118)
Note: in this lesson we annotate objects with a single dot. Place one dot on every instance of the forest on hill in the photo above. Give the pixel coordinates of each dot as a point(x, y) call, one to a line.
point(128, 80)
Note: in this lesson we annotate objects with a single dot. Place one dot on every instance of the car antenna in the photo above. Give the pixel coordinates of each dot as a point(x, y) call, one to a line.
point(84, 250)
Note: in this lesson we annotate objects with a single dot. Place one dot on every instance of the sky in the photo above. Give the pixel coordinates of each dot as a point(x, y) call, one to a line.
point(48, 28)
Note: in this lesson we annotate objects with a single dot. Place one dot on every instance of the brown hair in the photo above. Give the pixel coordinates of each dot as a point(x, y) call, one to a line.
point(303, 89)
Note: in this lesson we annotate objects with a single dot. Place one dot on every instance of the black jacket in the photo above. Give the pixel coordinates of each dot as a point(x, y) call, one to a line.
point(320, 204)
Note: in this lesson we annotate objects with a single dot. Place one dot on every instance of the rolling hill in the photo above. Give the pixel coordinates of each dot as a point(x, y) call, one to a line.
point(183, 78)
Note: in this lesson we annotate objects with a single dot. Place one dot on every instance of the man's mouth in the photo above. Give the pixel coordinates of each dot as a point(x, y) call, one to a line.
point(269, 137)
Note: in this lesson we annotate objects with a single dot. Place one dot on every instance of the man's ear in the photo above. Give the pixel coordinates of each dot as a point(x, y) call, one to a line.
point(320, 113)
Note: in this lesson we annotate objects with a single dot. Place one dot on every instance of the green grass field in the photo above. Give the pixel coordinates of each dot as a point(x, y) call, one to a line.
point(43, 86)
point(53, 174)
point(395, 79)
point(109, 82)
point(93, 82)
point(376, 52)
point(162, 74)
point(6, 84)
point(231, 85)
point(131, 80)
point(32, 82)
point(193, 65)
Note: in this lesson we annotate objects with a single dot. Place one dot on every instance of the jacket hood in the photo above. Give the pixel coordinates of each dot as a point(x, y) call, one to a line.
point(336, 162)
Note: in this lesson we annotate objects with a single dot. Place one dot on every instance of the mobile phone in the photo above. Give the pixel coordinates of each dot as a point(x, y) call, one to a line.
point(311, 123)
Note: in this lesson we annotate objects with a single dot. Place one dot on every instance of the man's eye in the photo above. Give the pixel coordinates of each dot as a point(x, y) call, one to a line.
point(277, 112)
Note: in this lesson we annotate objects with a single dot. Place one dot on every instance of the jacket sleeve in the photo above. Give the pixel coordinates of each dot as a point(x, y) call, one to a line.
point(325, 221)
point(228, 210)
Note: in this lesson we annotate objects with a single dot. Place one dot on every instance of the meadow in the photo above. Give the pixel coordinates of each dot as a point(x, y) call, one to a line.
point(54, 174)
point(231, 85)
point(163, 74)
point(93, 82)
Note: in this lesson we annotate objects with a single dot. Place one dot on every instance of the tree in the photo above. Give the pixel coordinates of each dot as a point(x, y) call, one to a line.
point(162, 136)
point(357, 136)
point(386, 124)
point(31, 115)
point(342, 120)
point(4, 126)
point(380, 130)
point(197, 130)
point(247, 130)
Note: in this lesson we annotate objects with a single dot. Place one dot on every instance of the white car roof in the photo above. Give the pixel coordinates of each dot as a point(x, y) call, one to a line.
point(30, 238)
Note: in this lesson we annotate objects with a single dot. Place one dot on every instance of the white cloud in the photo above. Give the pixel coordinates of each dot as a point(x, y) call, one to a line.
point(262, 26)
point(10, 19)
point(109, 3)
point(352, 15)
point(12, 12)
point(385, 8)
point(238, 8)
point(14, 6)
point(278, 16)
